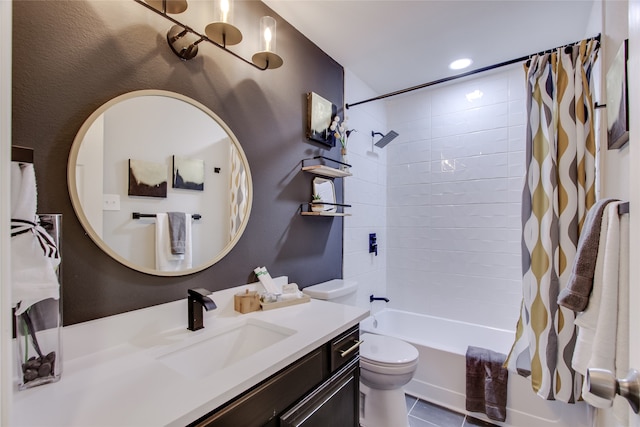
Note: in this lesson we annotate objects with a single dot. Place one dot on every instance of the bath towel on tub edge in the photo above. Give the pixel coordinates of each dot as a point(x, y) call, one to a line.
point(486, 383)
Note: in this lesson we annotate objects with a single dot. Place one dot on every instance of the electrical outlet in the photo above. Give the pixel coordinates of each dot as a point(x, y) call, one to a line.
point(110, 202)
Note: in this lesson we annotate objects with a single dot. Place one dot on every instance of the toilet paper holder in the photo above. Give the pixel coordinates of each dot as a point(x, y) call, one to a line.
point(604, 384)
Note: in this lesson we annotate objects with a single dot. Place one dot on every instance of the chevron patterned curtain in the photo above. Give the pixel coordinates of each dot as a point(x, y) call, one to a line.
point(558, 191)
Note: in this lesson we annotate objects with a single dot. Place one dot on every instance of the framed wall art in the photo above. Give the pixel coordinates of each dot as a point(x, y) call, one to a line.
point(618, 100)
point(320, 113)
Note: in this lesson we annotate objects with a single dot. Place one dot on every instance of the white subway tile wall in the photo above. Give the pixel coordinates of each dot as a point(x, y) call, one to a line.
point(366, 191)
point(449, 238)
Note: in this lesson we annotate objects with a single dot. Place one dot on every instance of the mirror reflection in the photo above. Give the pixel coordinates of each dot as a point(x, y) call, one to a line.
point(147, 154)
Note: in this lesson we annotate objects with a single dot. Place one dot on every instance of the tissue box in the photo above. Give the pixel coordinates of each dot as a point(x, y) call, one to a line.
point(246, 302)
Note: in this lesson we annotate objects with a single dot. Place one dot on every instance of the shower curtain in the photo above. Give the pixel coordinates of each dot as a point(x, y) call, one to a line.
point(559, 189)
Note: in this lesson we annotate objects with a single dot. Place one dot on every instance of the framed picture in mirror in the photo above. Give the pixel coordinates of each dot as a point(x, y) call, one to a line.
point(148, 179)
point(618, 100)
point(188, 174)
point(320, 113)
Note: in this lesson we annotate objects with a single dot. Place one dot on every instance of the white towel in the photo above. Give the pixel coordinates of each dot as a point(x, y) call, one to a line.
point(165, 260)
point(33, 272)
point(603, 326)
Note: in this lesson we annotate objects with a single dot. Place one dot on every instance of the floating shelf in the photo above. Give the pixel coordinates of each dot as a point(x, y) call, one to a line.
point(324, 214)
point(327, 171)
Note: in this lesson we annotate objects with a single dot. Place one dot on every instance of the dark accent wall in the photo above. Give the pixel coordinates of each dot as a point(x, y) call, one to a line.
point(70, 57)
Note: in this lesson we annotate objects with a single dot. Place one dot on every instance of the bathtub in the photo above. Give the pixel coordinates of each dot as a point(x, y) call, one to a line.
point(440, 377)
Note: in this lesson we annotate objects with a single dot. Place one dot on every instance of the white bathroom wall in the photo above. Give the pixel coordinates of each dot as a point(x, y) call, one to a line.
point(454, 183)
point(366, 192)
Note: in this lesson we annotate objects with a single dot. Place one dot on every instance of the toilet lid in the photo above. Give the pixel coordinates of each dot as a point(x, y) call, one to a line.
point(384, 349)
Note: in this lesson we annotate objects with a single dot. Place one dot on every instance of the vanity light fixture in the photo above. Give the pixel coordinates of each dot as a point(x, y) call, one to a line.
point(184, 40)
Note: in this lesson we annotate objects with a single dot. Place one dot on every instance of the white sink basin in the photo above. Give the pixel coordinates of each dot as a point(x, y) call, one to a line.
point(208, 353)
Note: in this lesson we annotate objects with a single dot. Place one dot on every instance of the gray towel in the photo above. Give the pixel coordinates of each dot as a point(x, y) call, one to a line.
point(486, 383)
point(177, 232)
point(575, 296)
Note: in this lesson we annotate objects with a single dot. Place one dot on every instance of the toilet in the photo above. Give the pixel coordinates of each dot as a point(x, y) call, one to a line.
point(386, 364)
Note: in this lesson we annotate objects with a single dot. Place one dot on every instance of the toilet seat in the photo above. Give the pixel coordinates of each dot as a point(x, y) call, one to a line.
point(387, 355)
point(387, 351)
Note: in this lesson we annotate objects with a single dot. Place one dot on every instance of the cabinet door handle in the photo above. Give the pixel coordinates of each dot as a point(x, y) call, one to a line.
point(354, 347)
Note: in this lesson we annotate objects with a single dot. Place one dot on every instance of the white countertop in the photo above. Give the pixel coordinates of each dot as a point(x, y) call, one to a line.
point(111, 375)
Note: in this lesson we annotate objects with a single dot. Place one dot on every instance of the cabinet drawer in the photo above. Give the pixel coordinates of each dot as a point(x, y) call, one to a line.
point(270, 398)
point(334, 403)
point(344, 348)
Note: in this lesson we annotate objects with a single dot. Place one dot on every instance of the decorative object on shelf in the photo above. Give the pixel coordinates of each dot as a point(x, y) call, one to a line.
point(324, 189)
point(618, 100)
point(341, 133)
point(320, 113)
point(184, 40)
point(316, 203)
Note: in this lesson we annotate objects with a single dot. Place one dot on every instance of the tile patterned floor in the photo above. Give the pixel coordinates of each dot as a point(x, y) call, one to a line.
point(425, 414)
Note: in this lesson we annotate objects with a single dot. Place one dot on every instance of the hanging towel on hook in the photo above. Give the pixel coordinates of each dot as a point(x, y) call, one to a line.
point(34, 256)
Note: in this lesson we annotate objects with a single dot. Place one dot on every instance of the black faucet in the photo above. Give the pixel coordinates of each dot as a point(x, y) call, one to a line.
point(197, 300)
point(372, 298)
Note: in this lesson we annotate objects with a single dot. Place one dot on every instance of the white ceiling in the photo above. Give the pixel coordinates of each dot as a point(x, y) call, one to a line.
point(395, 44)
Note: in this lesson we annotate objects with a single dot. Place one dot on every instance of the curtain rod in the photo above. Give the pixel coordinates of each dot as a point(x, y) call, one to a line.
point(468, 73)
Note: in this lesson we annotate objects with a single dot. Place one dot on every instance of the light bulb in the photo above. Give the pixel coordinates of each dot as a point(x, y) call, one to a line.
point(267, 39)
point(224, 9)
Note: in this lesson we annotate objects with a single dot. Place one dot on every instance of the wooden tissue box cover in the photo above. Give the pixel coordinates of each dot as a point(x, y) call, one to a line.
point(246, 302)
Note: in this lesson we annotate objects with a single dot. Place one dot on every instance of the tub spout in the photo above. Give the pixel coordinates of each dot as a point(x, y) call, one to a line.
point(372, 298)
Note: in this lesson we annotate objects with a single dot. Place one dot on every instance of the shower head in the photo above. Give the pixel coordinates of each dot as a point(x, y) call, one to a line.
point(385, 138)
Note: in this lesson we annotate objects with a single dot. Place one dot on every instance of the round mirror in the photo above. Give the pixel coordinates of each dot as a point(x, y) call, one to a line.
point(160, 183)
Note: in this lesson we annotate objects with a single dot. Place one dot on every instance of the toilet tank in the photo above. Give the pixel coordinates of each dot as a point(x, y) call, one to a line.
point(336, 290)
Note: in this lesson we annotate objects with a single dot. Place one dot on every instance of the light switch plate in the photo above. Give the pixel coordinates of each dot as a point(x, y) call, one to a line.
point(111, 202)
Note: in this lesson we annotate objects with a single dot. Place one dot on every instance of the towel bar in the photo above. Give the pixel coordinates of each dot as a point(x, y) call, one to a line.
point(138, 215)
point(623, 208)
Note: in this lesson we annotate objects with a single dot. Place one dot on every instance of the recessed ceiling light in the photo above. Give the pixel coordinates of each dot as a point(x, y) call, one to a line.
point(459, 64)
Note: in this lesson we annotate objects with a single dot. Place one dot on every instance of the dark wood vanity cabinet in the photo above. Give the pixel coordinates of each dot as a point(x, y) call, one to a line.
point(319, 389)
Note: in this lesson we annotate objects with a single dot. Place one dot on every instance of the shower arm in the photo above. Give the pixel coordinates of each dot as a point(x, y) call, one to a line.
point(373, 134)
